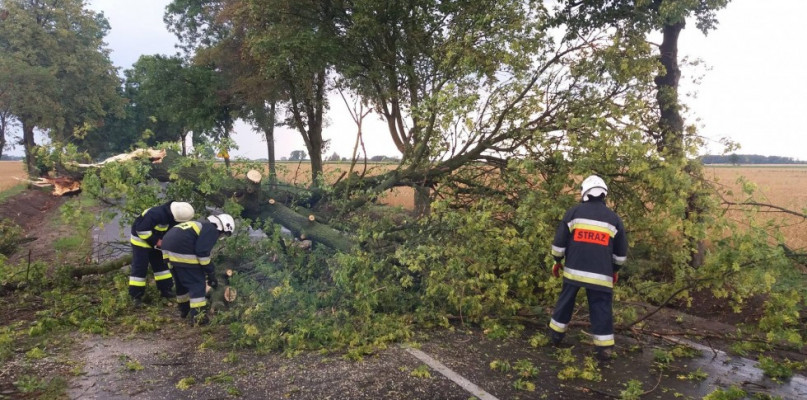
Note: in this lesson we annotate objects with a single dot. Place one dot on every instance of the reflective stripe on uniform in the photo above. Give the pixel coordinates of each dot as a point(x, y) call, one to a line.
point(197, 302)
point(588, 277)
point(603, 340)
point(137, 281)
point(182, 258)
point(619, 260)
point(196, 226)
point(183, 298)
point(558, 251)
point(204, 260)
point(592, 225)
point(161, 227)
point(158, 276)
point(139, 242)
point(557, 326)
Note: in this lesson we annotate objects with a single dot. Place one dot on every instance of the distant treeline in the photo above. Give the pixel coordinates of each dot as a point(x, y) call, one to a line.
point(748, 159)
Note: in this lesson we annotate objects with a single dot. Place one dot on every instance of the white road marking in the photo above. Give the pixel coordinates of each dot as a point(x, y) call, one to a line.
point(448, 373)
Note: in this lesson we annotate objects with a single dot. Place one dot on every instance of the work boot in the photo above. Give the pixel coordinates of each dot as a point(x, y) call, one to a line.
point(555, 338)
point(168, 294)
point(604, 354)
point(184, 309)
point(137, 302)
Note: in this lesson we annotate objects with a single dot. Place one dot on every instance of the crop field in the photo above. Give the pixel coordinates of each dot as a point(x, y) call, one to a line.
point(300, 173)
point(783, 186)
point(779, 185)
point(9, 170)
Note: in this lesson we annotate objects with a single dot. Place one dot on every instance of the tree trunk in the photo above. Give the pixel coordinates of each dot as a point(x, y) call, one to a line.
point(4, 118)
point(422, 200)
point(315, 152)
point(671, 124)
point(183, 143)
point(30, 146)
point(269, 131)
point(671, 127)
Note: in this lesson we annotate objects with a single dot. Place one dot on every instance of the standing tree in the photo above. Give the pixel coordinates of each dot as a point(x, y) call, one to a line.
point(634, 21)
point(55, 73)
point(287, 43)
point(183, 99)
point(297, 155)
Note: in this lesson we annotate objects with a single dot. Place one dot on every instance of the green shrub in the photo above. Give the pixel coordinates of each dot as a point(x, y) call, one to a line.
point(10, 236)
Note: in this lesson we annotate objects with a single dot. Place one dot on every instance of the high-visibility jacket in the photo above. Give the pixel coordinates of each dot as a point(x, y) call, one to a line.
point(190, 243)
point(592, 239)
point(151, 225)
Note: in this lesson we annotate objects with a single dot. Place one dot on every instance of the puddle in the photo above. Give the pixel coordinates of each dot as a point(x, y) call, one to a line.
point(725, 370)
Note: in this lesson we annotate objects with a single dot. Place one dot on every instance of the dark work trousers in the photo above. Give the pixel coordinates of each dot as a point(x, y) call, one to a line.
point(141, 258)
point(599, 310)
point(191, 288)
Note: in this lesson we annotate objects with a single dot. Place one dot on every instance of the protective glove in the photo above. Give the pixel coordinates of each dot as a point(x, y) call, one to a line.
point(556, 269)
point(212, 281)
point(616, 277)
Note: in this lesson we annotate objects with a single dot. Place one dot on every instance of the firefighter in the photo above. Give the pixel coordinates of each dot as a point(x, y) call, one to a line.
point(592, 239)
point(147, 232)
point(187, 248)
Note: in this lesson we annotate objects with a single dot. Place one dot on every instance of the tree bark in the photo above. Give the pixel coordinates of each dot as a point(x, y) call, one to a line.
point(269, 131)
point(671, 124)
point(671, 127)
point(103, 268)
point(29, 145)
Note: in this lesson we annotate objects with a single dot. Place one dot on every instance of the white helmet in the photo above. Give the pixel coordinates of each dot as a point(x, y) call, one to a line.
point(181, 211)
point(224, 223)
point(593, 186)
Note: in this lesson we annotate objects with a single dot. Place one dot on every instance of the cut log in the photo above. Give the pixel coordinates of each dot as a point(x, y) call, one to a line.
point(230, 294)
point(97, 269)
point(155, 156)
point(103, 268)
point(254, 176)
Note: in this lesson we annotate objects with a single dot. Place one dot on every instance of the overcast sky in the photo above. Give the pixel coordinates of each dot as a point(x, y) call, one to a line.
point(753, 91)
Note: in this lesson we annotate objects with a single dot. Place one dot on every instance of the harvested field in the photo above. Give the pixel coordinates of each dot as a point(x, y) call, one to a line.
point(9, 170)
point(778, 185)
point(300, 174)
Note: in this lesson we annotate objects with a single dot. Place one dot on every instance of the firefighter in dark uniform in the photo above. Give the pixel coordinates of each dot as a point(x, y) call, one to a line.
point(592, 239)
point(147, 231)
point(187, 248)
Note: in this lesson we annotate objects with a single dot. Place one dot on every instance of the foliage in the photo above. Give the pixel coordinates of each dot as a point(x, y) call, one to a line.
point(221, 377)
point(778, 371)
point(133, 366)
point(539, 340)
point(525, 369)
point(782, 318)
point(732, 393)
point(177, 98)
point(697, 375)
point(10, 235)
point(186, 383)
point(521, 384)
point(422, 371)
point(55, 71)
point(500, 365)
point(633, 390)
